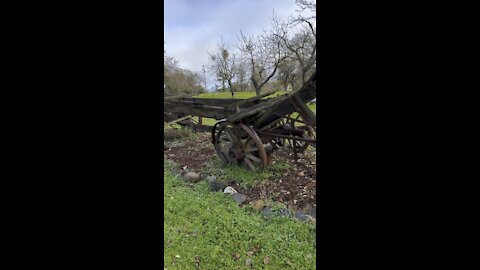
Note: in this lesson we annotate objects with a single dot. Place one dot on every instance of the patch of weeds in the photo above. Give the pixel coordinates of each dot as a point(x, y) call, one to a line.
point(274, 205)
point(171, 134)
point(244, 177)
point(280, 167)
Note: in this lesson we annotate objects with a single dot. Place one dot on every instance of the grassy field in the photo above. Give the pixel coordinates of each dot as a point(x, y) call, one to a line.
point(207, 230)
point(238, 95)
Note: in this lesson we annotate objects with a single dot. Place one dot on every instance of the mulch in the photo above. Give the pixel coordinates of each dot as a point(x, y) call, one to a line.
point(295, 187)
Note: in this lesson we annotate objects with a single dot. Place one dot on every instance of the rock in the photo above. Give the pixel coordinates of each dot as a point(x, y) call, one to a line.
point(239, 198)
point(259, 204)
point(229, 190)
point(217, 185)
point(211, 178)
point(248, 262)
point(313, 212)
point(193, 176)
point(283, 213)
point(302, 216)
point(267, 212)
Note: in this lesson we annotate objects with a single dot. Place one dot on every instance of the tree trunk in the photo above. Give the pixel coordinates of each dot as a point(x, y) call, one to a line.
point(230, 85)
point(256, 86)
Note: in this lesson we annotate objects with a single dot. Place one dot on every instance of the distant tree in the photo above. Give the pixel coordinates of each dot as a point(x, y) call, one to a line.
point(223, 64)
point(180, 81)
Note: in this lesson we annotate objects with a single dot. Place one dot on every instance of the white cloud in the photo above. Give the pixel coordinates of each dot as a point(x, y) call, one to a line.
point(193, 27)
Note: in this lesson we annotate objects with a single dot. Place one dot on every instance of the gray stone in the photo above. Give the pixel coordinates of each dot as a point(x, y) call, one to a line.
point(313, 212)
point(239, 198)
point(302, 216)
point(217, 185)
point(211, 178)
point(267, 212)
point(283, 213)
point(193, 176)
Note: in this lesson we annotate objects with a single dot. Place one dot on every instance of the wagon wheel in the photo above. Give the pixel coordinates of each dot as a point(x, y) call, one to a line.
point(289, 122)
point(308, 133)
point(238, 145)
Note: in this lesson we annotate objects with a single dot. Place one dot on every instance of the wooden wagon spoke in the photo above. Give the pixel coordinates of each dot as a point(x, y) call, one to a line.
point(249, 163)
point(231, 135)
point(225, 141)
point(252, 157)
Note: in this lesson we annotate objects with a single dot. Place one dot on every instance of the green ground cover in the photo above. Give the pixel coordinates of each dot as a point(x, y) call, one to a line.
point(207, 230)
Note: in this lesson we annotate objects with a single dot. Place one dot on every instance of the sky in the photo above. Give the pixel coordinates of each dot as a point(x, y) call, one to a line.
point(192, 28)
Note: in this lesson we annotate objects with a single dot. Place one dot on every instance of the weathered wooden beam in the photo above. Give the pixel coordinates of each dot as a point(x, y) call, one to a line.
point(307, 114)
point(286, 106)
point(255, 109)
point(187, 109)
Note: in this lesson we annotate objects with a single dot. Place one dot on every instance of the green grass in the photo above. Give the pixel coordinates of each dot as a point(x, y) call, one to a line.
point(206, 121)
point(204, 229)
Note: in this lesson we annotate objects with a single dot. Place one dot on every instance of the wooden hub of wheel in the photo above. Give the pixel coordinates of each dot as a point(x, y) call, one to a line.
point(238, 144)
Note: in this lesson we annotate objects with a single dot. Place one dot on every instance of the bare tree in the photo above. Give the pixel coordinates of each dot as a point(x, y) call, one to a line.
point(223, 63)
point(303, 43)
point(263, 54)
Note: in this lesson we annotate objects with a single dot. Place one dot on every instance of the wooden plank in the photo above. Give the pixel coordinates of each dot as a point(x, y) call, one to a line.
point(211, 112)
point(178, 120)
point(286, 106)
point(256, 109)
point(304, 111)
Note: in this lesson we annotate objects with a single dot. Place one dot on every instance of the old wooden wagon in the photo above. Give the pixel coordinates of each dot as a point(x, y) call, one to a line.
point(248, 131)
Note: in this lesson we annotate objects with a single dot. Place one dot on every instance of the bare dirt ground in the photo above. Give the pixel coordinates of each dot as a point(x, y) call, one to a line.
point(295, 187)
